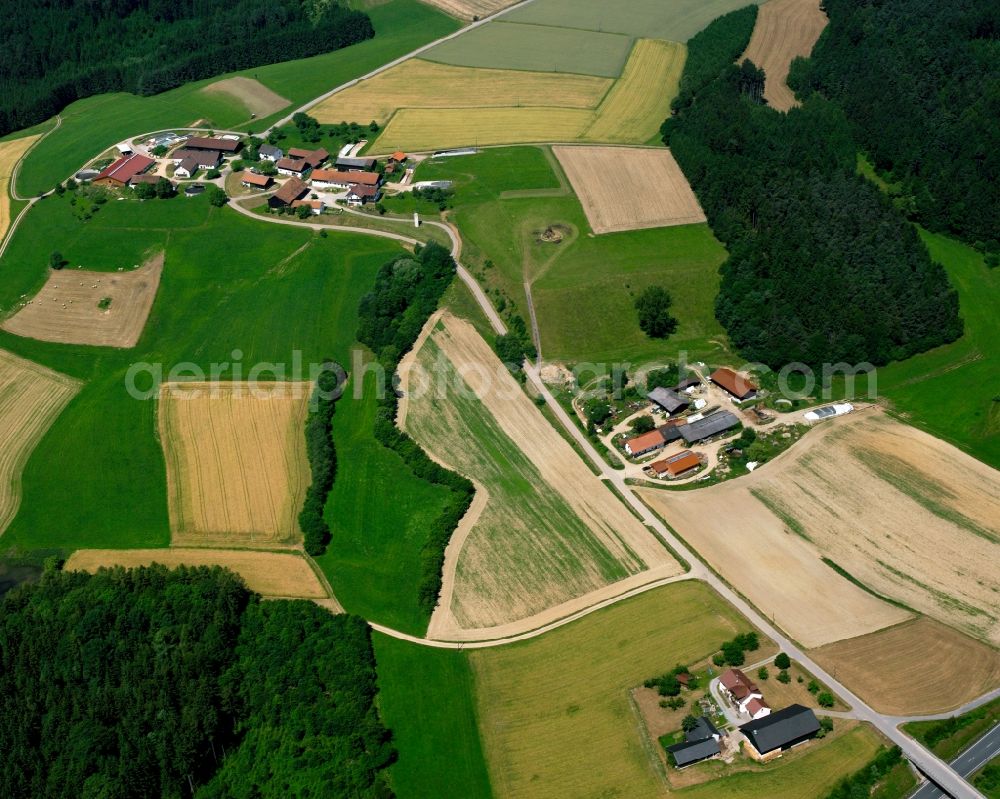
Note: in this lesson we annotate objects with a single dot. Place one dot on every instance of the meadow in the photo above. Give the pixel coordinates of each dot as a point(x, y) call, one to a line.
point(92, 125)
point(271, 290)
point(585, 309)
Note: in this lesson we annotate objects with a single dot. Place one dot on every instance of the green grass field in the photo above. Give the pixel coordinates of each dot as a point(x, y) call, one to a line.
point(554, 711)
point(950, 738)
point(504, 45)
point(583, 287)
point(677, 20)
point(92, 125)
point(426, 697)
point(97, 478)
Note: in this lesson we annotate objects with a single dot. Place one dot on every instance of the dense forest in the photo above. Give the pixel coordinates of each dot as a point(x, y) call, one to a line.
point(822, 267)
point(157, 683)
point(407, 291)
point(920, 83)
point(58, 52)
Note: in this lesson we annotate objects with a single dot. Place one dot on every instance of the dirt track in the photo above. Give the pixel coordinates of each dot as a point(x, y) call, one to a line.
point(10, 153)
point(785, 29)
point(66, 310)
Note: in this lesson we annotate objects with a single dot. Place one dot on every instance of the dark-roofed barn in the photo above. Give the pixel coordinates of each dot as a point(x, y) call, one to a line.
point(670, 401)
point(781, 730)
point(709, 426)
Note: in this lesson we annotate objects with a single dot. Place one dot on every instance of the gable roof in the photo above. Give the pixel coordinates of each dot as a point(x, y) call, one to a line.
point(311, 157)
point(189, 165)
point(708, 427)
point(676, 464)
point(220, 145)
point(291, 191)
point(362, 191)
point(669, 400)
point(733, 382)
point(687, 382)
point(790, 725)
point(254, 179)
point(291, 164)
point(399, 155)
point(358, 163)
point(269, 149)
point(338, 176)
point(755, 705)
point(693, 751)
point(654, 438)
point(202, 157)
point(125, 168)
point(737, 683)
point(704, 729)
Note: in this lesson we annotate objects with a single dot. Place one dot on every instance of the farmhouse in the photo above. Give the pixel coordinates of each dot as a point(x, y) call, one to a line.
point(287, 194)
point(268, 152)
point(204, 158)
point(356, 163)
point(782, 730)
point(254, 181)
point(708, 427)
point(669, 400)
point(734, 383)
point(313, 158)
point(701, 742)
point(359, 195)
point(336, 179)
point(123, 170)
point(294, 167)
point(213, 145)
point(739, 688)
point(676, 465)
point(758, 708)
point(315, 206)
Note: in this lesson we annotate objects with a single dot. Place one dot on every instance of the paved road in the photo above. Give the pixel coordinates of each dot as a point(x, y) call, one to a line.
point(967, 763)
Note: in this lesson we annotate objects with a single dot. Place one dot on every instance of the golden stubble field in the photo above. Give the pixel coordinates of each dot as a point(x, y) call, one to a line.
point(67, 309)
point(236, 462)
point(271, 574)
point(31, 397)
point(625, 188)
point(544, 531)
point(905, 514)
point(785, 29)
point(471, 9)
point(10, 153)
point(257, 98)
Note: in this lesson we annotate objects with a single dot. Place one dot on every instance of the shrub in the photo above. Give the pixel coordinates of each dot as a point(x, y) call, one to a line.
point(825, 699)
point(762, 673)
point(813, 687)
point(784, 677)
point(719, 659)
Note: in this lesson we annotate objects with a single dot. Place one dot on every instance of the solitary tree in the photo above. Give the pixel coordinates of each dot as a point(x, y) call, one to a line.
point(825, 699)
point(653, 306)
point(643, 424)
point(164, 189)
point(782, 661)
point(56, 260)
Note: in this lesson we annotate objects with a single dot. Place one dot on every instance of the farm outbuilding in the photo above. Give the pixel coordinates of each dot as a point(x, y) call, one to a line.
point(771, 735)
point(123, 170)
point(669, 400)
point(254, 181)
point(213, 145)
point(700, 743)
point(708, 427)
point(287, 194)
point(734, 383)
point(294, 167)
point(268, 152)
point(356, 163)
point(313, 158)
point(676, 465)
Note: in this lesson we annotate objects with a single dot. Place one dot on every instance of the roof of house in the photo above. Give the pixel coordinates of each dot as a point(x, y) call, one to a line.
point(311, 157)
point(125, 168)
point(654, 438)
point(677, 464)
point(254, 179)
point(291, 164)
point(737, 683)
point(399, 155)
point(755, 705)
point(782, 728)
point(733, 382)
point(362, 191)
point(669, 400)
point(291, 191)
point(202, 157)
point(704, 729)
point(221, 145)
point(338, 176)
point(708, 427)
point(269, 149)
point(360, 163)
point(189, 165)
point(692, 751)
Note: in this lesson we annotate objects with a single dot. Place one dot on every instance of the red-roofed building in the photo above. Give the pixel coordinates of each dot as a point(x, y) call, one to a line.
point(294, 167)
point(359, 195)
point(397, 157)
point(123, 170)
point(313, 158)
point(733, 382)
point(739, 688)
point(757, 708)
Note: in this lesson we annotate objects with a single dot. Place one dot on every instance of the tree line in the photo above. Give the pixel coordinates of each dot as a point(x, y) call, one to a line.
point(156, 683)
point(322, 459)
point(59, 52)
point(407, 291)
point(822, 267)
point(919, 81)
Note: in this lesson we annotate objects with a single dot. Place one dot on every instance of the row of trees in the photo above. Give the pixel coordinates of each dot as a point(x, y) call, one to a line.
point(407, 291)
point(322, 458)
point(157, 683)
point(822, 267)
point(920, 82)
point(63, 51)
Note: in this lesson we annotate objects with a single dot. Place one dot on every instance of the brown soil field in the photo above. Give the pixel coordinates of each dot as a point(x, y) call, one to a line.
point(236, 463)
point(917, 667)
point(258, 99)
point(547, 534)
point(623, 188)
point(31, 397)
point(905, 514)
point(471, 9)
point(785, 29)
point(10, 153)
point(66, 309)
point(272, 574)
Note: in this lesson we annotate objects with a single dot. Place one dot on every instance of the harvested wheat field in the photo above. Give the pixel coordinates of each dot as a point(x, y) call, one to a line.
point(549, 530)
point(425, 84)
point(100, 309)
point(626, 188)
point(905, 514)
point(31, 397)
point(640, 100)
point(273, 574)
point(236, 463)
point(257, 98)
point(917, 667)
point(784, 29)
point(471, 9)
point(10, 153)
